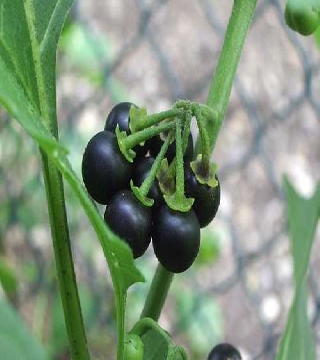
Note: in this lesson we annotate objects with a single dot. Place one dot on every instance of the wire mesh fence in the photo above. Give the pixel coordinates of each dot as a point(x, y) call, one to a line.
point(153, 53)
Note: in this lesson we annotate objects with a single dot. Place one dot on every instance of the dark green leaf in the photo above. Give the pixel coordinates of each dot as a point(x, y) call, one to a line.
point(16, 343)
point(303, 214)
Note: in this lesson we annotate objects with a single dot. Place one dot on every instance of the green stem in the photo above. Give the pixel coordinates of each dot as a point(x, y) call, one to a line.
point(55, 200)
point(147, 183)
point(178, 201)
point(185, 139)
point(221, 85)
point(186, 130)
point(205, 146)
point(56, 207)
point(64, 262)
point(157, 293)
point(179, 163)
point(150, 120)
point(135, 139)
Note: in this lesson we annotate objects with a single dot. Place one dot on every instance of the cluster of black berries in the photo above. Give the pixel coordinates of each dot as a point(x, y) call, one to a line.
point(107, 173)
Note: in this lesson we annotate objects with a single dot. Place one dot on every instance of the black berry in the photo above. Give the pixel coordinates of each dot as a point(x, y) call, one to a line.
point(104, 169)
point(224, 352)
point(206, 198)
point(130, 220)
point(176, 238)
point(119, 115)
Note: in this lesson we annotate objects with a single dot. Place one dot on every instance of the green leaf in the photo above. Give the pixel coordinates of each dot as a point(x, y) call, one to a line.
point(155, 346)
point(8, 278)
point(16, 343)
point(29, 34)
point(303, 214)
point(158, 344)
point(30, 31)
point(135, 115)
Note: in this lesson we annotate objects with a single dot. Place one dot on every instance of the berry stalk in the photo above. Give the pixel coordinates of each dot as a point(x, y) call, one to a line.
point(178, 201)
point(142, 191)
point(205, 147)
point(153, 119)
point(145, 187)
point(157, 293)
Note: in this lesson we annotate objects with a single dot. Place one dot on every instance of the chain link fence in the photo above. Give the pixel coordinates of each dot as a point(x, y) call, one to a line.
point(153, 53)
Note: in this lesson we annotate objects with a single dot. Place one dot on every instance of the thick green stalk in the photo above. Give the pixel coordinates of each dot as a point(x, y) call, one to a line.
point(64, 263)
point(221, 85)
point(57, 212)
point(157, 294)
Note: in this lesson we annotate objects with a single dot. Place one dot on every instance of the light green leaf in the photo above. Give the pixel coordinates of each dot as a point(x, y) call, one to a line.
point(16, 343)
point(29, 32)
point(303, 214)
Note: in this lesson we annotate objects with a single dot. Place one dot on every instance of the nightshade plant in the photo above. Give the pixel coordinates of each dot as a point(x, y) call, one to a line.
point(29, 36)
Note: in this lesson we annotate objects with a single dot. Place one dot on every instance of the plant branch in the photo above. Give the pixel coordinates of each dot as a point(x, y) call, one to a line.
point(221, 85)
point(64, 263)
point(157, 293)
point(57, 211)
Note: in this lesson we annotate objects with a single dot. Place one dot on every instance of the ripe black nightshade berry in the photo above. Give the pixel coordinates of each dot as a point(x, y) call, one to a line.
point(206, 198)
point(140, 173)
point(104, 169)
point(224, 352)
point(119, 115)
point(176, 238)
point(130, 220)
point(154, 144)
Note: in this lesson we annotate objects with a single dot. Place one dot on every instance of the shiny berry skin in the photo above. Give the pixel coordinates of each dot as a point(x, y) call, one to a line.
point(206, 198)
point(119, 115)
point(176, 238)
point(140, 172)
point(224, 352)
point(104, 169)
point(154, 144)
point(130, 220)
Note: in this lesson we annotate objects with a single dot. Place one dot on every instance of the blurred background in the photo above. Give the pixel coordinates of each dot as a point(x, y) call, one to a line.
point(152, 52)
